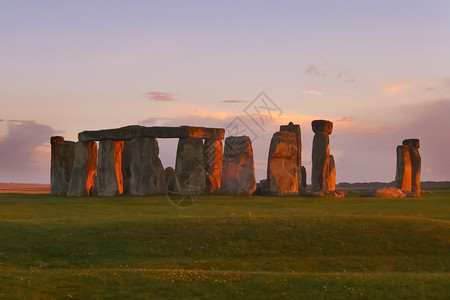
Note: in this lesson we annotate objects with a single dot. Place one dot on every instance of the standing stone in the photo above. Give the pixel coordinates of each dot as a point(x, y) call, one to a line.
point(213, 158)
point(282, 165)
point(303, 171)
point(126, 166)
point(146, 170)
point(62, 159)
point(169, 174)
point(416, 161)
point(84, 168)
point(331, 175)
point(109, 169)
point(295, 128)
point(403, 171)
point(320, 153)
point(189, 166)
point(238, 171)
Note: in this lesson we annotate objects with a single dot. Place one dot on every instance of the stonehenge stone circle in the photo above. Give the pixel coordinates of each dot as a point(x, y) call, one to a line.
point(62, 159)
point(320, 153)
point(126, 161)
point(282, 164)
point(238, 170)
point(84, 168)
point(109, 169)
point(407, 177)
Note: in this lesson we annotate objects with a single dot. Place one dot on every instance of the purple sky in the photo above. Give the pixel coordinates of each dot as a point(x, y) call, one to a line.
point(378, 69)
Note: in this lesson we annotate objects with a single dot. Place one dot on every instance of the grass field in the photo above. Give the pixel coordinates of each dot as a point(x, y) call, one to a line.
point(225, 247)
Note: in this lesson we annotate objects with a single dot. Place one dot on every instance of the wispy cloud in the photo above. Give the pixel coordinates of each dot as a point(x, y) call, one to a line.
point(329, 70)
point(313, 70)
point(345, 76)
point(312, 92)
point(346, 119)
point(234, 101)
point(160, 96)
point(155, 121)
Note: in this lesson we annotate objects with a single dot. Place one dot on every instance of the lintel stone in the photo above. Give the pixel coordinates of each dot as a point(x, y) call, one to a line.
point(137, 131)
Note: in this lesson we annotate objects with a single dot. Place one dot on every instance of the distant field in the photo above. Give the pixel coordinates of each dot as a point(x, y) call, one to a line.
point(224, 248)
point(24, 188)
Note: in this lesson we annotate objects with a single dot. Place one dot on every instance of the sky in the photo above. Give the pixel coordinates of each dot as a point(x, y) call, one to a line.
point(379, 70)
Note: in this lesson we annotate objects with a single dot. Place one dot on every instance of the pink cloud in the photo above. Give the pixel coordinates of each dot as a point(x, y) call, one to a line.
point(234, 101)
point(160, 96)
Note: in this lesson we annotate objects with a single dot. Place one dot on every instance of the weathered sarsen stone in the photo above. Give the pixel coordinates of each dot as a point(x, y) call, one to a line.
point(62, 159)
point(238, 171)
point(189, 166)
point(109, 169)
point(282, 165)
point(416, 162)
point(169, 174)
point(126, 166)
point(295, 128)
point(320, 154)
point(146, 170)
point(213, 158)
point(84, 168)
point(403, 171)
point(331, 175)
point(303, 171)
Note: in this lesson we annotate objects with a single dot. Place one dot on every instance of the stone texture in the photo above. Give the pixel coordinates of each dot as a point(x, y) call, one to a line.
point(84, 168)
point(390, 192)
point(169, 174)
point(109, 169)
point(416, 162)
point(213, 158)
point(126, 166)
point(136, 131)
point(295, 128)
point(303, 171)
point(262, 188)
point(189, 166)
point(238, 171)
point(331, 175)
point(146, 172)
point(403, 170)
point(62, 159)
point(282, 165)
point(320, 159)
point(319, 126)
point(415, 143)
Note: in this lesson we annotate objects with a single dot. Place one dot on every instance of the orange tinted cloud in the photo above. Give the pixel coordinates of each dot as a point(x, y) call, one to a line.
point(312, 92)
point(398, 88)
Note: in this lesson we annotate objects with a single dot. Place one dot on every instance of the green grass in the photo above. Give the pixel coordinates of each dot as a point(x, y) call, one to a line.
point(225, 247)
